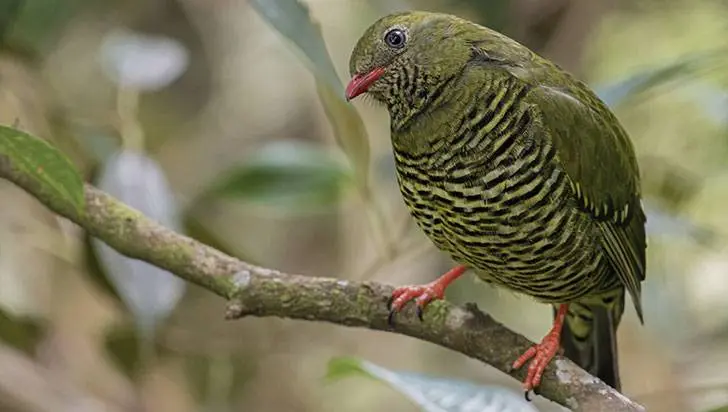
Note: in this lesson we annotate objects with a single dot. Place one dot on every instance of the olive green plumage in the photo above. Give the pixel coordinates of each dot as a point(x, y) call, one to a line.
point(514, 168)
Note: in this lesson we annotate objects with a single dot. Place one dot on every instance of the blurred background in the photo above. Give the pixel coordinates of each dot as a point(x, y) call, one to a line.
point(225, 120)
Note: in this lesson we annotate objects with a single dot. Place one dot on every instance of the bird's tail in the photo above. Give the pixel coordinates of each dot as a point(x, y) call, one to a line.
point(589, 337)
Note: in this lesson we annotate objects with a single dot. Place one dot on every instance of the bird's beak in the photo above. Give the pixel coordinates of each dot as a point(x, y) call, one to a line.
point(360, 82)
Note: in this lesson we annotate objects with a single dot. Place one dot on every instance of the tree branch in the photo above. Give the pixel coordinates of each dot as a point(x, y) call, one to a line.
point(257, 291)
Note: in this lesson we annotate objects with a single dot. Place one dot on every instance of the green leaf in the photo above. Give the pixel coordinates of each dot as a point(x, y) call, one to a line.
point(616, 93)
point(287, 175)
point(292, 19)
point(41, 161)
point(719, 409)
point(434, 394)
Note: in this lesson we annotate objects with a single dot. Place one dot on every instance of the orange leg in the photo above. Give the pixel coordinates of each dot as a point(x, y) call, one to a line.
point(542, 353)
point(423, 293)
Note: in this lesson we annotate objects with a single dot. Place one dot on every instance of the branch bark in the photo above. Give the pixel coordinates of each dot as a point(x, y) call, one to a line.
point(256, 291)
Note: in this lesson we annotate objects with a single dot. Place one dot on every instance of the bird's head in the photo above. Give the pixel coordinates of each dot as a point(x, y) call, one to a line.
point(404, 56)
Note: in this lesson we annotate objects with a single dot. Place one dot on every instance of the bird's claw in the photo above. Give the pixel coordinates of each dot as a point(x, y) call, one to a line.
point(540, 356)
point(527, 393)
point(422, 294)
point(390, 318)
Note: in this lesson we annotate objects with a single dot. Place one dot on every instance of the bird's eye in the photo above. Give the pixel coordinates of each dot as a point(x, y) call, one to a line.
point(395, 38)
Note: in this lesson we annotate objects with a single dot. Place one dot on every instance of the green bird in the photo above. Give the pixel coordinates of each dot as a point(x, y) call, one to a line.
point(517, 170)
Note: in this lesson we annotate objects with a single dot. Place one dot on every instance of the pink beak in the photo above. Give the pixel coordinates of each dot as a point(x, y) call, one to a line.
point(360, 82)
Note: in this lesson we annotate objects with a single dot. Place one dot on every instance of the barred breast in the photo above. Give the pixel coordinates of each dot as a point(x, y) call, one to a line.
point(492, 194)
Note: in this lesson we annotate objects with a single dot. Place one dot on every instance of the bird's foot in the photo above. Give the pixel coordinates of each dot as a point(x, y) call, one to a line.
point(423, 294)
point(541, 354)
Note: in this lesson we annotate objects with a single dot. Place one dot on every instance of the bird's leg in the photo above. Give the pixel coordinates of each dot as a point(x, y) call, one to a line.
point(423, 293)
point(543, 352)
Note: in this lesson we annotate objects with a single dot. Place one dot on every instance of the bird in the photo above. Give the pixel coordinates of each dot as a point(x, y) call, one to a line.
point(518, 171)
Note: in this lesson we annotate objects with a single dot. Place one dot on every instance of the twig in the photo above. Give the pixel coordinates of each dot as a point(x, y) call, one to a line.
point(256, 291)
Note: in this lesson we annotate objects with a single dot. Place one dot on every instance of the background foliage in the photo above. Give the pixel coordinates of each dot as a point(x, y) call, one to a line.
point(225, 120)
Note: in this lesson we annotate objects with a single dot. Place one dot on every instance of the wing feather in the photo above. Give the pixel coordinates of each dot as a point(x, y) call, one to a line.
point(593, 149)
point(599, 159)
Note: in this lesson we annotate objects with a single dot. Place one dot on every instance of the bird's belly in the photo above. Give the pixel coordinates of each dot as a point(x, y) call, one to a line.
point(549, 260)
point(541, 247)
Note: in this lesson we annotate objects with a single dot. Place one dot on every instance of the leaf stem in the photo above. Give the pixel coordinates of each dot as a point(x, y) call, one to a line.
point(127, 107)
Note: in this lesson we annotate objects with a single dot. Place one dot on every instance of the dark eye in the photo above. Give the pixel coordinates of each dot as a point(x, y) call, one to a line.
point(395, 38)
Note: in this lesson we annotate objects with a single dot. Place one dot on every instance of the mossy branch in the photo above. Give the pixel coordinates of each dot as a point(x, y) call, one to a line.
point(256, 291)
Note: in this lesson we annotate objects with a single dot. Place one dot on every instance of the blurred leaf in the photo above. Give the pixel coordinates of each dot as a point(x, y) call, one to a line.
point(22, 333)
point(215, 378)
point(663, 223)
point(383, 7)
point(288, 175)
point(123, 345)
point(349, 130)
point(494, 14)
point(149, 292)
point(95, 272)
point(198, 231)
point(8, 14)
point(615, 93)
point(711, 99)
point(665, 305)
point(39, 22)
point(668, 182)
point(141, 61)
point(719, 409)
point(434, 394)
point(292, 19)
point(40, 160)
point(97, 145)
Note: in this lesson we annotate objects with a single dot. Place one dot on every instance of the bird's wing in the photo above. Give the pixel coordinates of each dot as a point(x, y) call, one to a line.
point(597, 155)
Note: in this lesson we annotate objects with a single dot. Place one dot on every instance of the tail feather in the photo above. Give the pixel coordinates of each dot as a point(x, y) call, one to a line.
point(589, 338)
